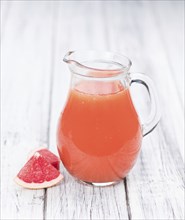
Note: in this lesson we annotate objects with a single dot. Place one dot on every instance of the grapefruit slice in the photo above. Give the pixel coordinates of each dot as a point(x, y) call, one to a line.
point(38, 173)
point(48, 155)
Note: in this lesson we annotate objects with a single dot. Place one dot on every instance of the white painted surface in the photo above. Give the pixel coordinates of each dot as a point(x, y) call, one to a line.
point(35, 37)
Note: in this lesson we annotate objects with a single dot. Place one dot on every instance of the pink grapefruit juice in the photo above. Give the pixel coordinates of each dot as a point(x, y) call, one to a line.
point(99, 134)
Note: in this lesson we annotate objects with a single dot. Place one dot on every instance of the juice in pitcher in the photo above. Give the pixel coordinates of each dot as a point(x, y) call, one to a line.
point(99, 134)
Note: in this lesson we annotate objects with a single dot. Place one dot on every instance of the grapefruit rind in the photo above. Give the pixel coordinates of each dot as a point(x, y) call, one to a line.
point(43, 185)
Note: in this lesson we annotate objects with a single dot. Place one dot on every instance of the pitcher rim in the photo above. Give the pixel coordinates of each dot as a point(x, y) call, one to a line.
point(117, 71)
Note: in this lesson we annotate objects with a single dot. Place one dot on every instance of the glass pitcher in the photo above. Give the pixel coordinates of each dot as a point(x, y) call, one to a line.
point(99, 132)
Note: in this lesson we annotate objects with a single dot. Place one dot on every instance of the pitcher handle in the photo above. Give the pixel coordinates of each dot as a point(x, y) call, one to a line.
point(155, 114)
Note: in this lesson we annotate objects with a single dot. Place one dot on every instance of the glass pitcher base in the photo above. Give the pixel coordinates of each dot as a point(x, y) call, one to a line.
point(99, 184)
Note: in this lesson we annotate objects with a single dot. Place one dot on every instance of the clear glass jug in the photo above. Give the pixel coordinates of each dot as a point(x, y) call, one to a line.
point(99, 132)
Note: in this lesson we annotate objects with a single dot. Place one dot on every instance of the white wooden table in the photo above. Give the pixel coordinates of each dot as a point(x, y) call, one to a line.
point(35, 37)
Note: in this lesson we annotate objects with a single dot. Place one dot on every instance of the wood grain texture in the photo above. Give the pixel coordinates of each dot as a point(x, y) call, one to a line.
point(35, 37)
point(26, 65)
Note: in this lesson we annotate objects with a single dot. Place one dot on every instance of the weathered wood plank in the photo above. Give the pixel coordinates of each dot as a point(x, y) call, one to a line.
point(80, 26)
point(171, 28)
point(26, 65)
point(156, 185)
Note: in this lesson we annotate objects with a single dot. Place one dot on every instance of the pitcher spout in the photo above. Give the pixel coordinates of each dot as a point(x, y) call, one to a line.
point(67, 57)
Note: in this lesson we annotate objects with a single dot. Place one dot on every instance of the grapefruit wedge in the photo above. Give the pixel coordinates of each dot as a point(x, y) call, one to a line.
point(48, 155)
point(38, 173)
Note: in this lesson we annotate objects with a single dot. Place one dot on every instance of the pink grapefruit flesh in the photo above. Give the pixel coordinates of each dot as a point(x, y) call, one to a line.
point(48, 155)
point(38, 173)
